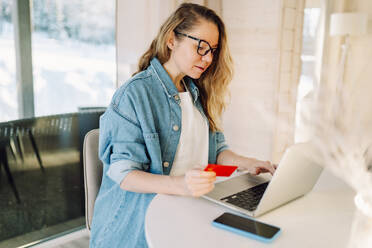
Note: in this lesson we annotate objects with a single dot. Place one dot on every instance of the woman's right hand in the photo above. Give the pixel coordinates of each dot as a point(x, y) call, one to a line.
point(197, 182)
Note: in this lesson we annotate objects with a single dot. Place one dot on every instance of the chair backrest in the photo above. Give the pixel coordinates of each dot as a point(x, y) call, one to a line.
point(92, 173)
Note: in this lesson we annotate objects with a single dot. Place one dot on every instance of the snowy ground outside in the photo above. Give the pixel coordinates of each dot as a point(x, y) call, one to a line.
point(67, 75)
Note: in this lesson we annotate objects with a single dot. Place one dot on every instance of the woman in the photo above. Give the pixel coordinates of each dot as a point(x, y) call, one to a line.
point(162, 126)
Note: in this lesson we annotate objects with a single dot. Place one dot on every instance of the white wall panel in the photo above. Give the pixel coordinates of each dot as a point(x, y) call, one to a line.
point(262, 40)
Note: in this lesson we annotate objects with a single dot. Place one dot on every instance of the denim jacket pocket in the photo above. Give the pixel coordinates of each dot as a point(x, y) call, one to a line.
point(150, 136)
point(153, 149)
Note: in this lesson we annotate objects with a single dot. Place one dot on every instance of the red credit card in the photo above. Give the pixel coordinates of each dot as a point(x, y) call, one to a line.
point(221, 170)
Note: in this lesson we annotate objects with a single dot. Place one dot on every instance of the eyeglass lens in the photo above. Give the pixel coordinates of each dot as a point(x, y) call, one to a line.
point(204, 48)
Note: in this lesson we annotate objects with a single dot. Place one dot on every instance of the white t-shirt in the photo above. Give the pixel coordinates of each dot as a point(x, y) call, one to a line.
point(192, 150)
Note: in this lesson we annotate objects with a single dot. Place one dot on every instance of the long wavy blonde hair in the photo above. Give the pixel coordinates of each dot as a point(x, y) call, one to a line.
point(213, 83)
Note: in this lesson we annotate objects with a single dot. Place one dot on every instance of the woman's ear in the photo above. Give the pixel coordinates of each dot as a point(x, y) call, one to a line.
point(170, 41)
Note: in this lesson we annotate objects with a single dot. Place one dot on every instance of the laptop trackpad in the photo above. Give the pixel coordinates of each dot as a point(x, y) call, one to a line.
point(236, 184)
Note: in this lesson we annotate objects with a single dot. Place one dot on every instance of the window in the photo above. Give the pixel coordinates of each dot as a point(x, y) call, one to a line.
point(8, 91)
point(74, 69)
point(307, 84)
point(73, 44)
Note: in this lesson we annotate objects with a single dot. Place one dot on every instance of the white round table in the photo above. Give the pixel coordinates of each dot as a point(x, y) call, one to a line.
point(322, 218)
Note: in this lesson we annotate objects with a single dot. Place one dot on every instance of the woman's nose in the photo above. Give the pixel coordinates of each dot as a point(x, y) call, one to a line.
point(208, 57)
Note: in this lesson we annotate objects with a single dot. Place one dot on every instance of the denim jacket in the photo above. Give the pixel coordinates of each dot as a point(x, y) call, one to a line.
point(140, 130)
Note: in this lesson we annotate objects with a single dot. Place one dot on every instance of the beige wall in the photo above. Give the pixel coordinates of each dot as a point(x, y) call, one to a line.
point(253, 30)
point(289, 74)
point(137, 23)
point(265, 40)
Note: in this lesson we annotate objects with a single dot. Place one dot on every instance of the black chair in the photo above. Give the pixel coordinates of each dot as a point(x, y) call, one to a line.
point(27, 127)
point(54, 129)
point(11, 134)
point(5, 141)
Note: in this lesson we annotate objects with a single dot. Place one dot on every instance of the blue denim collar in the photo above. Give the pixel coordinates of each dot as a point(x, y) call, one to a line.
point(167, 82)
point(192, 88)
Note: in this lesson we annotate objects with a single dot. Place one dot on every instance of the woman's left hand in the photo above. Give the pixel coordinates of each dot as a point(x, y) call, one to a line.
point(255, 166)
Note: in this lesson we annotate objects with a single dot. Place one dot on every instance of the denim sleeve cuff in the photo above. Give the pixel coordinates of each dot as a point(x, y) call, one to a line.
point(221, 147)
point(120, 169)
point(221, 143)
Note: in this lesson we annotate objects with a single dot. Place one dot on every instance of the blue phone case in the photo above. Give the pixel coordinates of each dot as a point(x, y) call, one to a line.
point(244, 233)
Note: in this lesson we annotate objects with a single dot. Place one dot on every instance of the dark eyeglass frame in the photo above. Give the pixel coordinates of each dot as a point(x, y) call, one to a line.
point(212, 50)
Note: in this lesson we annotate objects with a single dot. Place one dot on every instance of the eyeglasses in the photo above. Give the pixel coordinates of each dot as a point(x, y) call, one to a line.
point(203, 46)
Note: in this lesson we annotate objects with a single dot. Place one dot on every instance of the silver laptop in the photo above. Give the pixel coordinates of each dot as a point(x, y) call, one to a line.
point(295, 176)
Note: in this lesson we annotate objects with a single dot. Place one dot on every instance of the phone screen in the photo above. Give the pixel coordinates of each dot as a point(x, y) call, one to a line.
point(258, 228)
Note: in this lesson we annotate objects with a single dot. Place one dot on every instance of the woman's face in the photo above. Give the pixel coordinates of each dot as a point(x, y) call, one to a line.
point(185, 57)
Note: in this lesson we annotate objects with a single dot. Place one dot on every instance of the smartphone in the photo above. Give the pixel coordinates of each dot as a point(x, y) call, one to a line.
point(247, 227)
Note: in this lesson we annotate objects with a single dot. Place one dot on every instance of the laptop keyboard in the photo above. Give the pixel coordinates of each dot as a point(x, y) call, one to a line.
point(247, 199)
